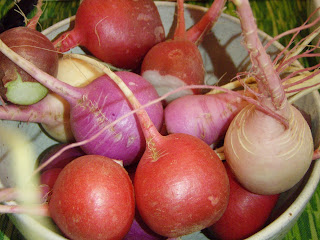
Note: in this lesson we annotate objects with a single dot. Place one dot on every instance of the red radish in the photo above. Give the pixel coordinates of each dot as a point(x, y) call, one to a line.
point(246, 213)
point(211, 115)
point(93, 198)
point(269, 151)
point(52, 113)
point(117, 32)
point(98, 104)
point(17, 86)
point(178, 62)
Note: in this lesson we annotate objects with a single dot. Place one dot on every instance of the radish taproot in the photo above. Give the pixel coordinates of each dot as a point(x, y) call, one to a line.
point(99, 103)
point(177, 62)
point(93, 198)
point(269, 151)
point(117, 32)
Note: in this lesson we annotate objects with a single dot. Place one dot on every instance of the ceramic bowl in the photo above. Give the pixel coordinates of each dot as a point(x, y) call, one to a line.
point(223, 56)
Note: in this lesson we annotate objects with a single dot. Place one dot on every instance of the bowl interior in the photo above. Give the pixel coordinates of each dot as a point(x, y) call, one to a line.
point(223, 56)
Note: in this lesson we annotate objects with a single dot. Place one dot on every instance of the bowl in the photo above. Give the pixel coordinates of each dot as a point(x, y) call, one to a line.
point(224, 56)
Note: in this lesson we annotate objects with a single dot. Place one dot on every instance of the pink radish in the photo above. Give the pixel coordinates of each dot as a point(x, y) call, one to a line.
point(178, 62)
point(117, 32)
point(99, 103)
point(211, 115)
point(93, 198)
point(269, 151)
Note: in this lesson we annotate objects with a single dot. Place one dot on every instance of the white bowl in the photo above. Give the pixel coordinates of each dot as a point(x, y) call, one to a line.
point(223, 55)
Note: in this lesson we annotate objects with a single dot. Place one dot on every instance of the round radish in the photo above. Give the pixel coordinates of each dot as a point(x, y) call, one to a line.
point(269, 145)
point(93, 198)
point(17, 86)
point(211, 115)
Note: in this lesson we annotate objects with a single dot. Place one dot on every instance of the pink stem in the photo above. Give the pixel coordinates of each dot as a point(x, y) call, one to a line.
point(270, 84)
point(180, 31)
point(38, 210)
point(198, 31)
point(8, 194)
point(33, 113)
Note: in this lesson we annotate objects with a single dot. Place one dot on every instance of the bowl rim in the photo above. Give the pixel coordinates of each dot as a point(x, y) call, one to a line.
point(291, 214)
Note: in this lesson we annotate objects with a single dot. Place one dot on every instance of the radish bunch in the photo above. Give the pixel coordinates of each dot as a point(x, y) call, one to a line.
point(180, 184)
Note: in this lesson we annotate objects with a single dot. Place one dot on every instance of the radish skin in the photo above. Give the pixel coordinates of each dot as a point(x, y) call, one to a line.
point(211, 115)
point(268, 155)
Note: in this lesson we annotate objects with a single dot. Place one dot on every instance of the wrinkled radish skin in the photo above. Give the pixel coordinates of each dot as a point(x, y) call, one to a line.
point(165, 84)
point(281, 158)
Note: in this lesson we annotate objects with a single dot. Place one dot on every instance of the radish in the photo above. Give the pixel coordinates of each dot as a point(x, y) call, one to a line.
point(246, 214)
point(93, 198)
point(117, 32)
point(96, 105)
point(269, 151)
point(211, 115)
point(178, 62)
point(16, 85)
